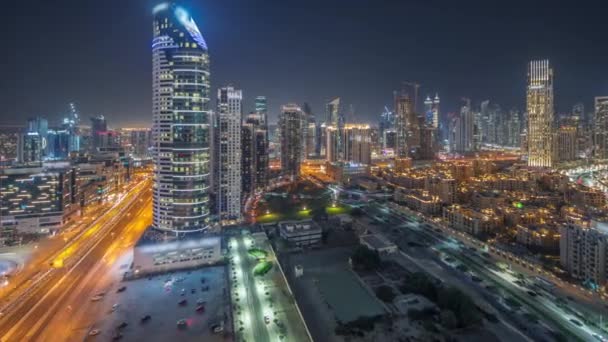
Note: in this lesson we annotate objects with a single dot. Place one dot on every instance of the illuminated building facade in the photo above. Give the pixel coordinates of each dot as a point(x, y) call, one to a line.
point(180, 107)
point(540, 114)
point(227, 149)
point(9, 141)
point(584, 251)
point(565, 143)
point(254, 138)
point(292, 123)
point(406, 124)
point(601, 127)
point(37, 200)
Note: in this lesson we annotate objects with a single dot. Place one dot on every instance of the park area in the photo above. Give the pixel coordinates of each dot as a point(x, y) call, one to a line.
point(298, 201)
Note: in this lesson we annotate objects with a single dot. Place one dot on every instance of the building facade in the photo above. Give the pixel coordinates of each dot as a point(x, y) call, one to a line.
point(292, 123)
point(254, 140)
point(180, 108)
point(228, 149)
point(600, 127)
point(539, 103)
point(584, 251)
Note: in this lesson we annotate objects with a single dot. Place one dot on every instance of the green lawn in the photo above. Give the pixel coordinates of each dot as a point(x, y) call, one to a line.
point(262, 268)
point(295, 202)
point(257, 253)
point(337, 210)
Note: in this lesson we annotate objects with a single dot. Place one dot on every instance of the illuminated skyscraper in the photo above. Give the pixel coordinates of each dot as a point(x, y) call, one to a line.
point(406, 122)
point(292, 122)
point(261, 106)
point(180, 108)
point(540, 114)
point(227, 151)
point(333, 112)
point(435, 110)
point(601, 127)
point(254, 140)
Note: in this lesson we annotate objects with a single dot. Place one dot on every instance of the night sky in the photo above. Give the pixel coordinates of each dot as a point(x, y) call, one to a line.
point(97, 53)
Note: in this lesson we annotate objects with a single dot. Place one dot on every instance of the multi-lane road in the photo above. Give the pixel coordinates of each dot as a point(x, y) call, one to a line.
point(448, 243)
point(75, 268)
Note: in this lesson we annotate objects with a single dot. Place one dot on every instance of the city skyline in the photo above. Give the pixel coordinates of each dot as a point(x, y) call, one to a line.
point(438, 56)
point(473, 209)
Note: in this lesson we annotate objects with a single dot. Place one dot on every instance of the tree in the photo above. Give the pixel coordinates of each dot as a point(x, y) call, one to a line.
point(385, 293)
point(451, 298)
point(448, 319)
point(357, 212)
point(420, 283)
point(365, 259)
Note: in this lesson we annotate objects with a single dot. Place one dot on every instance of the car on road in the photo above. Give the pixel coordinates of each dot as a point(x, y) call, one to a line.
point(122, 325)
point(94, 332)
point(217, 328)
point(200, 308)
point(96, 298)
point(182, 323)
point(599, 338)
point(183, 302)
point(266, 319)
point(145, 318)
point(115, 306)
point(117, 336)
point(200, 301)
point(121, 289)
point(193, 291)
point(575, 322)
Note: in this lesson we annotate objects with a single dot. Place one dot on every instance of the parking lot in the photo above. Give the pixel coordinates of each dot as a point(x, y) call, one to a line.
point(181, 306)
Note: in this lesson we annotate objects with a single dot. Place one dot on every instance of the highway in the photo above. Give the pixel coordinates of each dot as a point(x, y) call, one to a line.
point(448, 243)
point(28, 315)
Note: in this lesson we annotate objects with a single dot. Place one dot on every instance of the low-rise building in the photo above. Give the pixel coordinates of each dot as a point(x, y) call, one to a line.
point(345, 173)
point(37, 200)
point(585, 196)
point(300, 233)
point(378, 243)
point(418, 200)
point(158, 252)
point(542, 237)
point(486, 221)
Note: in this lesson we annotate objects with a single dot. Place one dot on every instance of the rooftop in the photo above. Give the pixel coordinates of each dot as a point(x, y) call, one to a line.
point(376, 241)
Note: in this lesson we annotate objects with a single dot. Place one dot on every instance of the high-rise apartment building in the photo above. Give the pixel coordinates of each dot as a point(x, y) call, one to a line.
point(357, 143)
point(292, 123)
point(261, 105)
point(227, 150)
point(600, 127)
point(435, 110)
point(254, 138)
point(584, 251)
point(565, 143)
point(406, 124)
point(431, 111)
point(539, 101)
point(462, 131)
point(180, 108)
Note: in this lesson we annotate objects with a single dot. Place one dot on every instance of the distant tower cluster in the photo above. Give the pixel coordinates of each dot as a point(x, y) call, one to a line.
point(540, 114)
